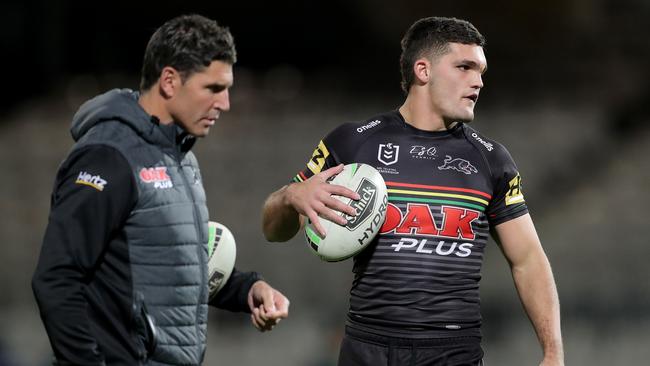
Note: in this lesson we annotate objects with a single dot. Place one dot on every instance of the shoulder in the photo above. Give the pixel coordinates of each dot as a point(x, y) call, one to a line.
point(110, 132)
point(99, 156)
point(361, 130)
point(345, 140)
point(122, 138)
point(495, 153)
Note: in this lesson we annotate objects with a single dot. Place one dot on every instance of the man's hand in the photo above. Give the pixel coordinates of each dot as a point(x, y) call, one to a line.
point(313, 197)
point(268, 306)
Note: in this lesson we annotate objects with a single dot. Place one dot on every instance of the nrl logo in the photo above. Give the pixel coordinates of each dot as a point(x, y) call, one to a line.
point(388, 153)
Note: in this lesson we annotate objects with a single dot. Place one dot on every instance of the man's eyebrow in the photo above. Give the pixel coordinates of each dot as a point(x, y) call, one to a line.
point(474, 64)
point(215, 86)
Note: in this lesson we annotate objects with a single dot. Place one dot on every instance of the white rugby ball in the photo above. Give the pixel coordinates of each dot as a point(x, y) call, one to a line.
point(342, 242)
point(222, 252)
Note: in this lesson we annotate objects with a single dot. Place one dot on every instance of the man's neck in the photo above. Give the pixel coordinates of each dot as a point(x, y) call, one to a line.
point(155, 105)
point(419, 113)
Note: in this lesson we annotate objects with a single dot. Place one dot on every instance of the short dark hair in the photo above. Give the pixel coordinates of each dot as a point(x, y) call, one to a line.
point(188, 43)
point(431, 37)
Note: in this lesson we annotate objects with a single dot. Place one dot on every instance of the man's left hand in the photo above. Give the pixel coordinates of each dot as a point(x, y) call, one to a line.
point(268, 306)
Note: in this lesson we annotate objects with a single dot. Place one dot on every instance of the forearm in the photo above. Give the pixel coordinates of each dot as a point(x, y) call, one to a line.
point(63, 310)
point(538, 294)
point(234, 295)
point(82, 220)
point(280, 221)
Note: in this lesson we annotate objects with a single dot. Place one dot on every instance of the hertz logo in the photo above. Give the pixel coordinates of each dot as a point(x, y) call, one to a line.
point(90, 180)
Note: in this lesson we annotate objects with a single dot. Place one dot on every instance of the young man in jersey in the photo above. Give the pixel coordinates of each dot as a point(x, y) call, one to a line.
point(415, 295)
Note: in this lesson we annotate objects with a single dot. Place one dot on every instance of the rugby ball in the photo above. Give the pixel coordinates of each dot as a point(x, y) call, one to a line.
point(222, 252)
point(342, 242)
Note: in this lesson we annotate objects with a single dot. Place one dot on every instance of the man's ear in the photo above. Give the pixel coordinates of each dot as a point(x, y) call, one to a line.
point(422, 70)
point(169, 81)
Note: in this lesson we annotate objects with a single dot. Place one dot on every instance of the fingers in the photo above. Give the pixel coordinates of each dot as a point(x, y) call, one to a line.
point(338, 190)
point(261, 321)
point(264, 320)
point(315, 221)
point(281, 306)
point(337, 205)
point(316, 198)
point(327, 174)
point(273, 308)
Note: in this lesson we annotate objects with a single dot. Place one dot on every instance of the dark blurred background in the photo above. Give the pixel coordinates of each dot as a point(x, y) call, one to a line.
point(567, 92)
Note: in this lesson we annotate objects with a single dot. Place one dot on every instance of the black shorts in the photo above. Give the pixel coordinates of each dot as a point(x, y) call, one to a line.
point(360, 348)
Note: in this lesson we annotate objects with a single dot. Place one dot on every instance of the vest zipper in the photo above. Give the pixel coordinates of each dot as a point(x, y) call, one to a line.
point(197, 226)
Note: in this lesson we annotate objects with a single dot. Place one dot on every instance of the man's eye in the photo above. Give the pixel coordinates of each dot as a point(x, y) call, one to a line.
point(216, 89)
point(464, 67)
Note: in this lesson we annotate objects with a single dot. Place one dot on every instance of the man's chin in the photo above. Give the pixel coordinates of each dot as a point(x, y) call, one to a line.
point(466, 117)
point(201, 132)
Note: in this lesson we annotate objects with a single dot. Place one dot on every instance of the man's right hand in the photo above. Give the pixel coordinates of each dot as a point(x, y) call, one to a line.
point(285, 208)
point(314, 197)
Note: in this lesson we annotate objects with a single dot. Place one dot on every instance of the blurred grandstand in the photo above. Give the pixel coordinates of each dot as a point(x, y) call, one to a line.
point(566, 93)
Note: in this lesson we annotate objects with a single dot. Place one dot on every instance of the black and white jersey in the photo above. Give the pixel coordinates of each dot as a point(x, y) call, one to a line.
point(446, 189)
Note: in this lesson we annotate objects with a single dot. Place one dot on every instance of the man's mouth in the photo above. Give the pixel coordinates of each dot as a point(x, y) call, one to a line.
point(472, 97)
point(209, 121)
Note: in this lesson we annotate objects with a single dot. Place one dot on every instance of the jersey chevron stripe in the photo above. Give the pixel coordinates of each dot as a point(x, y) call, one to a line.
point(440, 188)
point(420, 193)
point(428, 200)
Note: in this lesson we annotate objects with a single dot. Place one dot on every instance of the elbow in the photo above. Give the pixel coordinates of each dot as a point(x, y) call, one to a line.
point(272, 235)
point(278, 231)
point(280, 221)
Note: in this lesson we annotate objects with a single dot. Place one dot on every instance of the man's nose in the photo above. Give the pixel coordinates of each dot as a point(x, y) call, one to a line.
point(478, 83)
point(222, 101)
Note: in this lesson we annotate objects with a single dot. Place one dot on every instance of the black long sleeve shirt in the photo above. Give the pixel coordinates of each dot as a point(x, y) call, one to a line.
point(93, 195)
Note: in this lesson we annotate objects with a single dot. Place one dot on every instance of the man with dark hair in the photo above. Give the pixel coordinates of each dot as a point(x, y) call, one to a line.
point(415, 295)
point(122, 277)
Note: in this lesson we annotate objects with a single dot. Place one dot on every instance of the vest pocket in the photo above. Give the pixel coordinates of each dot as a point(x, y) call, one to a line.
point(145, 327)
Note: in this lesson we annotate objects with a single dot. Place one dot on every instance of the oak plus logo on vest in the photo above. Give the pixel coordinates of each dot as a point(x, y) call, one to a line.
point(418, 220)
point(157, 176)
point(459, 165)
point(90, 180)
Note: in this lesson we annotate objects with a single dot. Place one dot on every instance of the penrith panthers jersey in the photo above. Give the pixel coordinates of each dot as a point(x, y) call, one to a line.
point(446, 189)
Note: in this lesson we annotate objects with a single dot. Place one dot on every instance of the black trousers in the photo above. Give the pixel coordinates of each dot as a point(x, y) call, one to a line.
point(360, 348)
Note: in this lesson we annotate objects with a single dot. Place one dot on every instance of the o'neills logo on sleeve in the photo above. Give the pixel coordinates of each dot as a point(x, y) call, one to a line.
point(488, 145)
point(158, 176)
point(90, 180)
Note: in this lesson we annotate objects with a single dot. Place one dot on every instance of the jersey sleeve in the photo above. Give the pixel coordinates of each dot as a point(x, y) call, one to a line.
point(336, 148)
point(93, 194)
point(234, 294)
point(508, 200)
